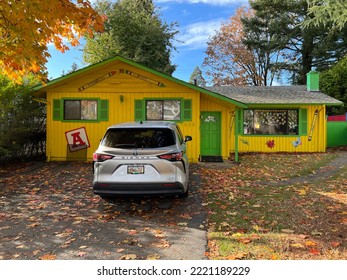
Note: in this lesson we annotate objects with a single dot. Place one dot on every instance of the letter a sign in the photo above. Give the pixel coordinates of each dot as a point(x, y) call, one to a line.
point(77, 139)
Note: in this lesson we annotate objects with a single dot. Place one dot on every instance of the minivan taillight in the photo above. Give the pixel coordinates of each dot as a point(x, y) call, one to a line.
point(101, 157)
point(172, 157)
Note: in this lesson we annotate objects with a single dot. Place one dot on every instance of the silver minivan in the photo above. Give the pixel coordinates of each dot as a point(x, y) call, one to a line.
point(145, 158)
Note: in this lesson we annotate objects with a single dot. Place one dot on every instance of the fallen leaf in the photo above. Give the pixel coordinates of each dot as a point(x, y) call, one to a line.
point(36, 252)
point(153, 257)
point(128, 257)
point(297, 246)
point(245, 240)
point(316, 232)
point(255, 236)
point(288, 231)
point(236, 256)
point(81, 254)
point(335, 244)
point(162, 244)
point(159, 234)
point(186, 216)
point(310, 243)
point(33, 225)
point(48, 257)
point(314, 251)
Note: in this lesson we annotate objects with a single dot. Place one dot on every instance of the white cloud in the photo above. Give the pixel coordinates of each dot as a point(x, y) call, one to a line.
point(208, 2)
point(195, 36)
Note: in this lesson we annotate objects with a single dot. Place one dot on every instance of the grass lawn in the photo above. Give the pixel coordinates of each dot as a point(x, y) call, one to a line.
point(259, 210)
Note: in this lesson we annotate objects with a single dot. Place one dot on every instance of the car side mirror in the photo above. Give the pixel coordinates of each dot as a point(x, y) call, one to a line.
point(188, 138)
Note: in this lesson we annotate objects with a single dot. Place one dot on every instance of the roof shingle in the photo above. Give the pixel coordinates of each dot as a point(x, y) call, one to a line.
point(252, 95)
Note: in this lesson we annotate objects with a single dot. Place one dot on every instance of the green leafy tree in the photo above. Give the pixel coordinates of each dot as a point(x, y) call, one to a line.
point(303, 48)
point(197, 78)
point(134, 30)
point(334, 83)
point(22, 120)
point(326, 13)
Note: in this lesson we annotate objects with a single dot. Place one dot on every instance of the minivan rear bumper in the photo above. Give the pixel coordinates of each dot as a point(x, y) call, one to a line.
point(109, 189)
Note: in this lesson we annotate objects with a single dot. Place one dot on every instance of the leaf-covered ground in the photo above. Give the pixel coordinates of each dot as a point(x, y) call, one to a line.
point(48, 211)
point(281, 206)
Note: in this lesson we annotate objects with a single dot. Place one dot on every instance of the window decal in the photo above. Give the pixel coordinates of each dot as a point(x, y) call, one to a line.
point(271, 122)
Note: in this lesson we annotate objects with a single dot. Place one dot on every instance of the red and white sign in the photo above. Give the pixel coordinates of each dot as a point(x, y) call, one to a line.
point(77, 139)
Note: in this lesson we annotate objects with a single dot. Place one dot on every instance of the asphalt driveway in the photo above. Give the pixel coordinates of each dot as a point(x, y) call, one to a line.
point(48, 211)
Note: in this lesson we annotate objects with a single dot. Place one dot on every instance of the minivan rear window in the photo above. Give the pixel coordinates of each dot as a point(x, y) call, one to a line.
point(130, 138)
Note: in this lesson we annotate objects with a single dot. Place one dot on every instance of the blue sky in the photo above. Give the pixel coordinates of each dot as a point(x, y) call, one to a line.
point(197, 21)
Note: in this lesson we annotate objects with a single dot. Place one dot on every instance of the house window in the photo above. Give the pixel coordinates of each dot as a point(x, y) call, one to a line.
point(167, 110)
point(271, 122)
point(80, 109)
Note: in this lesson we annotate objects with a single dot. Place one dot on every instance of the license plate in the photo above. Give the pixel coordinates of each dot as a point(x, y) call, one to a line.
point(136, 169)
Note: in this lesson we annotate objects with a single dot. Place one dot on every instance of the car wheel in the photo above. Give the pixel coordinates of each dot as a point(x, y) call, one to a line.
point(184, 195)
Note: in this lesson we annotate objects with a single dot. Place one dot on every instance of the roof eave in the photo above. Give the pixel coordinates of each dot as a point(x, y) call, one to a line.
point(295, 104)
point(40, 88)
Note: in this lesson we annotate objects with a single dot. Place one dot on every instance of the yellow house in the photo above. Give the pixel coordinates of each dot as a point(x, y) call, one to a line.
point(221, 120)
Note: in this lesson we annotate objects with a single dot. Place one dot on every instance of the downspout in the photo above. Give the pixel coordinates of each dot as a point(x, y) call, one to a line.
point(236, 144)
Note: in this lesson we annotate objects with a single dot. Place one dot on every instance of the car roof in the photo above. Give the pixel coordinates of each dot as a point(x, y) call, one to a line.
point(145, 124)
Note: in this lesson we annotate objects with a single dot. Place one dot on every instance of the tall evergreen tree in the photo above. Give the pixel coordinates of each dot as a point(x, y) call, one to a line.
point(134, 30)
point(303, 48)
point(327, 12)
point(334, 83)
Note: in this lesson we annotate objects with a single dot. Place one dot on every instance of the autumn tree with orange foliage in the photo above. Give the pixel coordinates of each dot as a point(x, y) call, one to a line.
point(230, 62)
point(28, 27)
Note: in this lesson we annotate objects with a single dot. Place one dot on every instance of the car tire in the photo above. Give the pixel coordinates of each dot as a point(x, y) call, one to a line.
point(184, 195)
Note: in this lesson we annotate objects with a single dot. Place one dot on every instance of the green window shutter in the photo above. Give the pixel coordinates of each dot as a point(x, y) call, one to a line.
point(239, 121)
point(103, 110)
point(57, 110)
point(303, 122)
point(187, 110)
point(139, 112)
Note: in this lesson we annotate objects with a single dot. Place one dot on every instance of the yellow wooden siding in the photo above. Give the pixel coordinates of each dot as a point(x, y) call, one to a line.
point(121, 90)
point(119, 82)
point(121, 109)
point(254, 143)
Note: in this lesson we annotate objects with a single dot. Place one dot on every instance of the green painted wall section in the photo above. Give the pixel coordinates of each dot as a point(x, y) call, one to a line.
point(336, 134)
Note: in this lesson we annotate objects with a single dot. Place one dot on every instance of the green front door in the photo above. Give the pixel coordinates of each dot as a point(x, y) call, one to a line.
point(210, 130)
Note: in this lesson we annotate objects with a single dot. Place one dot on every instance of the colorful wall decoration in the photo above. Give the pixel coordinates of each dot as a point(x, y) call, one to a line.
point(77, 139)
point(270, 144)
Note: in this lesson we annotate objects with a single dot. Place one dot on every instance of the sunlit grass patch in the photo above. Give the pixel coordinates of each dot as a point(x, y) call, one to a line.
point(250, 219)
